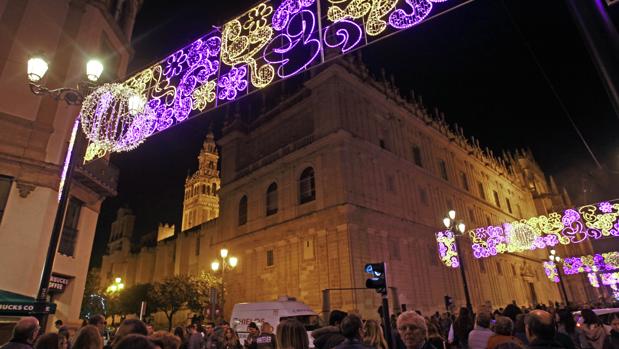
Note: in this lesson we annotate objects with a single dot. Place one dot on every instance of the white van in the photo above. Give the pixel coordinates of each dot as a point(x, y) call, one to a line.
point(273, 313)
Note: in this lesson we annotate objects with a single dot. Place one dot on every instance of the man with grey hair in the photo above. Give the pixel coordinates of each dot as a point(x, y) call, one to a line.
point(25, 333)
point(413, 330)
point(503, 338)
point(478, 338)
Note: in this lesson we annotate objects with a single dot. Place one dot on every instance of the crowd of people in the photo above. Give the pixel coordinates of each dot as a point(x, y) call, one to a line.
point(509, 328)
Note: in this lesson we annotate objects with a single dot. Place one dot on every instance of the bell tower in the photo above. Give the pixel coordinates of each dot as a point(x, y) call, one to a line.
point(201, 202)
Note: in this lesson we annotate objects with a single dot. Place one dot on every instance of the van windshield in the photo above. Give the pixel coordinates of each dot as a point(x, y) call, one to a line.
point(310, 322)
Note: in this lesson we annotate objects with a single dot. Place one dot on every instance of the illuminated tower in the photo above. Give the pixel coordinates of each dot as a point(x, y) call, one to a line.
point(201, 201)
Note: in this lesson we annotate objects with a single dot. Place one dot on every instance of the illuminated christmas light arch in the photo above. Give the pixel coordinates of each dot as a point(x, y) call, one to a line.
point(573, 226)
point(272, 41)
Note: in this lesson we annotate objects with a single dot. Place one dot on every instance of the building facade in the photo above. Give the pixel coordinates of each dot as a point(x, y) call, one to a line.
point(346, 172)
point(34, 136)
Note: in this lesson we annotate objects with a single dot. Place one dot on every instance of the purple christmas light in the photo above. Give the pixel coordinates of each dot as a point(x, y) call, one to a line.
point(233, 82)
point(345, 34)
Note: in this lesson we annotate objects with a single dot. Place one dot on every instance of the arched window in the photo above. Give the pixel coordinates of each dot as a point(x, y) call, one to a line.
point(307, 186)
point(243, 210)
point(272, 199)
point(208, 189)
point(214, 190)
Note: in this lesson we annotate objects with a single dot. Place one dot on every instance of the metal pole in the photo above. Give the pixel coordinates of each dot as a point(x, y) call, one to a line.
point(567, 302)
point(387, 321)
point(54, 238)
point(223, 301)
point(469, 306)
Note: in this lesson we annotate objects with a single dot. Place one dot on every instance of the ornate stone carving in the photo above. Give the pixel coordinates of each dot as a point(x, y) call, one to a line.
point(25, 189)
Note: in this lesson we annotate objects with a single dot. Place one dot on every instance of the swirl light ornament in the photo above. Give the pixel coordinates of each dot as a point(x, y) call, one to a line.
point(593, 280)
point(108, 122)
point(447, 250)
point(550, 268)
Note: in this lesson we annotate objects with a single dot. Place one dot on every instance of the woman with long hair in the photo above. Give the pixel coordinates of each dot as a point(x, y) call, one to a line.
point(462, 327)
point(434, 336)
point(51, 341)
point(567, 325)
point(231, 339)
point(594, 331)
point(291, 334)
point(88, 337)
point(373, 335)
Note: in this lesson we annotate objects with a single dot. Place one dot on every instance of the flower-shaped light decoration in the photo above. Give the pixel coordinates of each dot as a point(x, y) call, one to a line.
point(258, 17)
point(593, 280)
point(447, 249)
point(550, 268)
point(107, 122)
point(174, 64)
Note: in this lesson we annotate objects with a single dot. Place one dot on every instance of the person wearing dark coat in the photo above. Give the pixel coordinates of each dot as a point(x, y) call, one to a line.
point(541, 330)
point(352, 329)
point(25, 333)
point(329, 337)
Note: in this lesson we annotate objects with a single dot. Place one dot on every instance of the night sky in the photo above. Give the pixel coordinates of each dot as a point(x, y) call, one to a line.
point(472, 63)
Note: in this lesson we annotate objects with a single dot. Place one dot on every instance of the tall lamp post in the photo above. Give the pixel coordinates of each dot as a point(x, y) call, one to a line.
point(224, 262)
point(553, 257)
point(37, 67)
point(457, 228)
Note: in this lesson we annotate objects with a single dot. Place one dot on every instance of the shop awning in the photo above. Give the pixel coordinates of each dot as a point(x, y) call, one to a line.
point(13, 304)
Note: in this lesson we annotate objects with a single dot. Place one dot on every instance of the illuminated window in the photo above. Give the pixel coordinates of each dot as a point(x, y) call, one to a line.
point(5, 188)
point(464, 180)
point(272, 199)
point(417, 156)
point(270, 259)
point(443, 169)
point(509, 205)
point(243, 210)
point(68, 240)
point(496, 199)
point(307, 186)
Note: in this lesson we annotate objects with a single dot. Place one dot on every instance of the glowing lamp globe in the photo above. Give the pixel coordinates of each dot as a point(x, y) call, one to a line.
point(112, 119)
point(223, 252)
point(446, 222)
point(233, 262)
point(461, 227)
point(94, 68)
point(117, 280)
point(452, 214)
point(37, 67)
point(215, 266)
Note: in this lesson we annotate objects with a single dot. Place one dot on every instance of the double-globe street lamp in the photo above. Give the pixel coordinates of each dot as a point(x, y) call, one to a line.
point(554, 257)
point(116, 286)
point(37, 68)
point(457, 228)
point(224, 262)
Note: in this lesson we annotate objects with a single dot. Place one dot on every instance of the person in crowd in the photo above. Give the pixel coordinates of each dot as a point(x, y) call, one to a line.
point(352, 330)
point(24, 335)
point(291, 334)
point(150, 329)
point(58, 324)
point(540, 329)
point(98, 321)
point(413, 331)
point(51, 341)
point(224, 324)
point(194, 338)
point(512, 311)
point(462, 327)
point(167, 340)
point(134, 341)
point(254, 332)
point(502, 338)
point(613, 338)
point(519, 331)
point(231, 339)
point(266, 339)
point(373, 335)
point(567, 326)
point(478, 337)
point(212, 336)
point(88, 337)
point(593, 328)
point(180, 333)
point(329, 337)
point(445, 323)
point(127, 327)
point(65, 332)
point(434, 336)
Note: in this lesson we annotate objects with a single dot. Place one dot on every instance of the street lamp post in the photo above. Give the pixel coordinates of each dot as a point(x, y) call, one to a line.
point(37, 67)
point(224, 261)
point(553, 257)
point(458, 228)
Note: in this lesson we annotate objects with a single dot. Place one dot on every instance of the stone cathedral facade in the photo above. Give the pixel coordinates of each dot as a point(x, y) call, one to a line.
point(346, 172)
